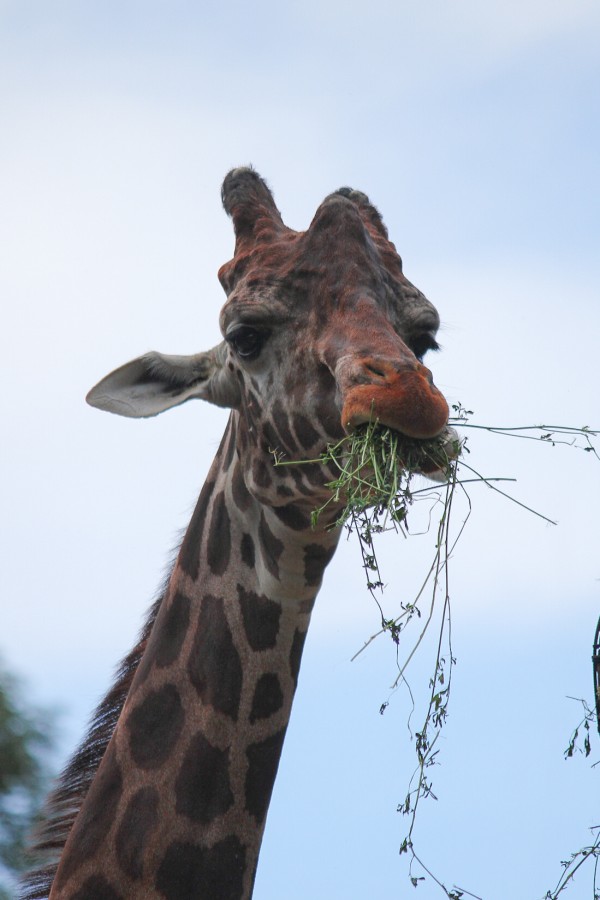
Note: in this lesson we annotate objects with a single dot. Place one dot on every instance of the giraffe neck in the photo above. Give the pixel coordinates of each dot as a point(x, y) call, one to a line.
point(178, 807)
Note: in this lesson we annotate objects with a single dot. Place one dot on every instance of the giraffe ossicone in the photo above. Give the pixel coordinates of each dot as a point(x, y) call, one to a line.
point(168, 794)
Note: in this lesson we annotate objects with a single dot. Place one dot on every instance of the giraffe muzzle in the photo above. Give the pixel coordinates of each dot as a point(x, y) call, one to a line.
point(404, 399)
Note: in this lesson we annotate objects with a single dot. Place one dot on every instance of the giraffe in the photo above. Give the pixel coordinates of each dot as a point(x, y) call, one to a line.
point(168, 794)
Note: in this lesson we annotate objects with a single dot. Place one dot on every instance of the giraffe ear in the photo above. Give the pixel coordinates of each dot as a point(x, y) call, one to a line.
point(155, 382)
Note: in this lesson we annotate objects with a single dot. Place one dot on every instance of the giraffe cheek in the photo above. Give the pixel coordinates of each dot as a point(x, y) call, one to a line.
point(408, 402)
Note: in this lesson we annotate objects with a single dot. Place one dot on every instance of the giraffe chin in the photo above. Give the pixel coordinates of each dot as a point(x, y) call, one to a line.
point(409, 404)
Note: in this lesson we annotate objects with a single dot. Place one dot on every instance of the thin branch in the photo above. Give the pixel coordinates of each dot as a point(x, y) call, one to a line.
point(508, 497)
point(373, 490)
point(571, 868)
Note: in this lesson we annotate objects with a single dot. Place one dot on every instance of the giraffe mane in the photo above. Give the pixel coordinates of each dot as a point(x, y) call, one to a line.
point(72, 785)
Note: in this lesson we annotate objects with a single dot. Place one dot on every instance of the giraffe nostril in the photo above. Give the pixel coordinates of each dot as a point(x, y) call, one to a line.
point(374, 370)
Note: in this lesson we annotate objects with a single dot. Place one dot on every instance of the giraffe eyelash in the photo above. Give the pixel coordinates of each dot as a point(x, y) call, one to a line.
point(424, 342)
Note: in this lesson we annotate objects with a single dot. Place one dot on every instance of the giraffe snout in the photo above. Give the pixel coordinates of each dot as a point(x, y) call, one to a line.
point(399, 395)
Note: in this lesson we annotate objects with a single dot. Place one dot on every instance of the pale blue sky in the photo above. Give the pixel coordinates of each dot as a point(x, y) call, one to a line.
point(475, 129)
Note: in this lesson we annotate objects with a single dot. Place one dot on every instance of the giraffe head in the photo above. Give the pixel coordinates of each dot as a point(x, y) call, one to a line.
point(322, 331)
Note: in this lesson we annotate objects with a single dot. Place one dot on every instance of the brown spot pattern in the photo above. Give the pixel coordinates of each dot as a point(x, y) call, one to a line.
point(218, 547)
point(268, 697)
point(316, 558)
point(229, 443)
point(138, 822)
point(173, 631)
point(296, 654)
point(189, 555)
point(261, 618)
point(325, 413)
point(271, 546)
point(240, 493)
point(263, 760)
point(284, 491)
point(280, 421)
point(305, 432)
point(270, 440)
point(261, 473)
point(293, 517)
point(314, 474)
point(214, 664)
point(202, 788)
point(154, 727)
point(193, 871)
point(247, 551)
point(300, 486)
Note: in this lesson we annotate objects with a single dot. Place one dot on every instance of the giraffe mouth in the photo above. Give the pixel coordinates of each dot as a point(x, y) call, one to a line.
point(430, 457)
point(408, 402)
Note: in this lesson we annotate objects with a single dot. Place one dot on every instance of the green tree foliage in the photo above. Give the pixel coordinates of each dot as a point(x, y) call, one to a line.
point(25, 743)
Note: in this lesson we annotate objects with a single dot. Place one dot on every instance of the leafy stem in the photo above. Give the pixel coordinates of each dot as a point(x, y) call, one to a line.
point(373, 488)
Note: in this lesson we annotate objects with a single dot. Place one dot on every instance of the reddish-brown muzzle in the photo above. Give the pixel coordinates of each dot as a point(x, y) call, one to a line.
point(403, 398)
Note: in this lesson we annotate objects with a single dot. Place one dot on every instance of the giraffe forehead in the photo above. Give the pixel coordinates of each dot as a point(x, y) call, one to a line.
point(344, 250)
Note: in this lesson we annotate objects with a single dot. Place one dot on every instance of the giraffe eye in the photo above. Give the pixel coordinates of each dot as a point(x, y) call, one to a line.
point(246, 341)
